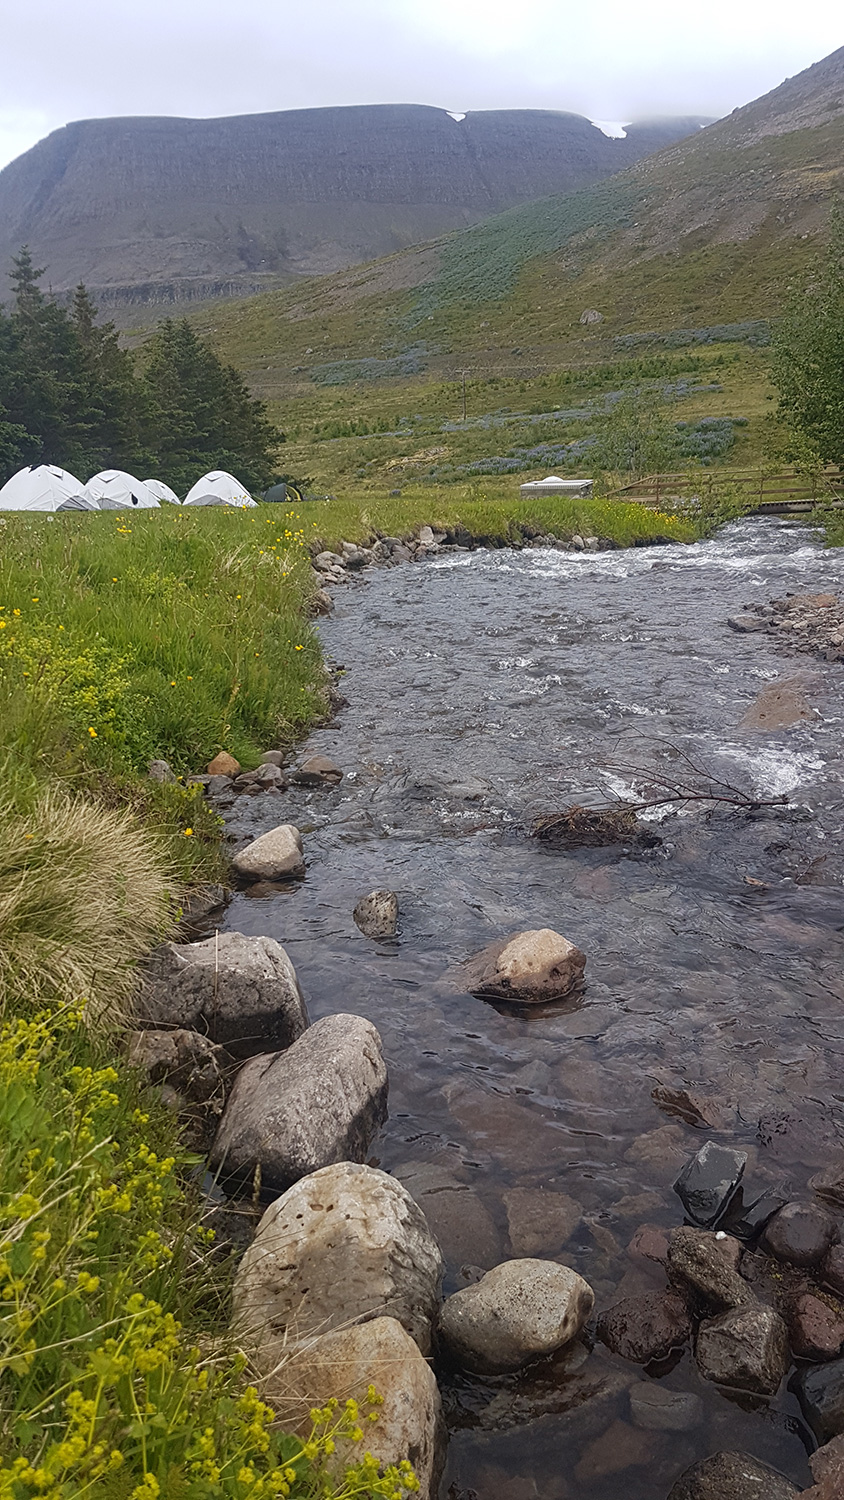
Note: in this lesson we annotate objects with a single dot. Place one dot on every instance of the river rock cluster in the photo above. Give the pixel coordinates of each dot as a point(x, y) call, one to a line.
point(806, 622)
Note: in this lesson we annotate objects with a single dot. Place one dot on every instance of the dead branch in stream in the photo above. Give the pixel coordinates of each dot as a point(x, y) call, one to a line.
point(578, 827)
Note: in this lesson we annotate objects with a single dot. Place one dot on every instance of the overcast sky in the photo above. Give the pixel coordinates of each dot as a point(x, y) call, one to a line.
point(611, 61)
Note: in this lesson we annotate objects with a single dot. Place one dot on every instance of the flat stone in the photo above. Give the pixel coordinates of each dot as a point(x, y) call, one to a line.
point(707, 1263)
point(708, 1182)
point(377, 915)
point(517, 1312)
point(620, 1447)
point(820, 1391)
point(290, 1113)
point(317, 770)
point(647, 1327)
point(778, 706)
point(237, 990)
point(746, 623)
point(832, 1269)
point(223, 765)
point(732, 1476)
point(659, 1409)
point(693, 1108)
point(276, 855)
point(347, 1362)
point(800, 1233)
point(342, 1246)
point(745, 1348)
point(160, 771)
point(217, 786)
point(815, 1330)
point(747, 1218)
point(539, 1221)
point(530, 967)
point(650, 1242)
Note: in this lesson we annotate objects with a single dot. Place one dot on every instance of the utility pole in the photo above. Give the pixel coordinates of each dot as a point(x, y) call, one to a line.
point(463, 374)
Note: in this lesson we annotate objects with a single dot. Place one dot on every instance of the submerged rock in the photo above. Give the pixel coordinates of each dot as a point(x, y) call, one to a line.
point(343, 1245)
point(820, 1391)
point(516, 1312)
point(659, 1409)
point(239, 991)
point(377, 915)
point(377, 1353)
point(540, 1221)
point(707, 1183)
point(746, 1348)
point(732, 1476)
point(800, 1233)
point(462, 1224)
point(320, 1101)
point(276, 855)
point(530, 967)
point(647, 1327)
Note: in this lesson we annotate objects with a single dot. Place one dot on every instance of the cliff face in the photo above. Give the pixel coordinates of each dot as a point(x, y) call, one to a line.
point(164, 210)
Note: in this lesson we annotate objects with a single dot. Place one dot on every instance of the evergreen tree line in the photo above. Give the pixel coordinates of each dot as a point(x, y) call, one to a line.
point(70, 395)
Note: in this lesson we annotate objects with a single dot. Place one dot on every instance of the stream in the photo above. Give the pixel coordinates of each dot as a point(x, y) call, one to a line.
point(485, 688)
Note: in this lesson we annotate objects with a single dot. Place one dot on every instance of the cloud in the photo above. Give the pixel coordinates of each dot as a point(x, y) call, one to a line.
point(611, 61)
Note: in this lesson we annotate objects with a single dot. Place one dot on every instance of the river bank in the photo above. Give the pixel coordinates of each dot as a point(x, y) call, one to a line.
point(123, 640)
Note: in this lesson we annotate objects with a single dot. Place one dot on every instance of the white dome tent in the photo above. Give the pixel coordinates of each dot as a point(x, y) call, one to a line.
point(162, 492)
point(43, 488)
point(218, 488)
point(114, 489)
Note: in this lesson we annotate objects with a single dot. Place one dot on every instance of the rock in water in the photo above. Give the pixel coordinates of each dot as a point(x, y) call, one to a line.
point(530, 967)
point(239, 991)
point(321, 1101)
point(276, 855)
point(732, 1476)
point(820, 1391)
point(801, 1234)
point(707, 1183)
point(707, 1264)
point(540, 1222)
point(342, 1246)
point(377, 915)
point(380, 1353)
point(746, 1348)
point(223, 765)
point(816, 1332)
point(658, 1409)
point(518, 1311)
point(646, 1327)
point(318, 770)
point(827, 1466)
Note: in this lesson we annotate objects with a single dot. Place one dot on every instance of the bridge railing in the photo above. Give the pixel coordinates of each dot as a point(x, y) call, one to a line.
point(783, 489)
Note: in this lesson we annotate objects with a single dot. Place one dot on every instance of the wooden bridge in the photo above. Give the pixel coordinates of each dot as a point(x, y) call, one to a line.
point(772, 493)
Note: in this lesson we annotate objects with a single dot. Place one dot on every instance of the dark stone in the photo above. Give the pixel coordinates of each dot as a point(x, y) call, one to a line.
point(829, 1184)
point(732, 1476)
point(745, 1348)
point(318, 770)
point(745, 623)
point(707, 1183)
point(217, 786)
point(745, 1219)
point(815, 1330)
point(708, 1265)
point(832, 1270)
point(827, 1466)
point(820, 1391)
point(800, 1233)
point(646, 1328)
point(651, 1242)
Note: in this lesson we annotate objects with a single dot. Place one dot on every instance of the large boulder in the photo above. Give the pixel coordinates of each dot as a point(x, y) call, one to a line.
point(345, 1364)
point(239, 991)
point(318, 1102)
point(732, 1476)
point(530, 967)
point(516, 1312)
point(745, 1348)
point(800, 1233)
point(276, 855)
point(342, 1246)
point(646, 1327)
point(707, 1265)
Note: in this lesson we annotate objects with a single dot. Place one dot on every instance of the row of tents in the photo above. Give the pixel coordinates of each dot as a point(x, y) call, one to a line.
point(48, 488)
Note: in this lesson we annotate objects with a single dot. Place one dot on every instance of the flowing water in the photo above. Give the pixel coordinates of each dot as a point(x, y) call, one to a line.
point(486, 687)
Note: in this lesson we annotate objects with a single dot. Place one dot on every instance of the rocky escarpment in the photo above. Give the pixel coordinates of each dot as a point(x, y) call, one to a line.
point(154, 211)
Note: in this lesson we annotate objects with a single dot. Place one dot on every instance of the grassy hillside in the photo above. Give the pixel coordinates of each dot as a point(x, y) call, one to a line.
point(691, 251)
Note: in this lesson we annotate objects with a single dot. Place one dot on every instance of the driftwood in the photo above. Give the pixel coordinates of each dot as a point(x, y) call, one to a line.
point(618, 823)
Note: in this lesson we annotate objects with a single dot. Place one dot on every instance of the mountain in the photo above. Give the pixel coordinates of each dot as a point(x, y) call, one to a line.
point(154, 210)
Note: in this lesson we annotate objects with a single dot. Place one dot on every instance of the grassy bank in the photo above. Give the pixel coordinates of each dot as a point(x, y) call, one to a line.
point(122, 639)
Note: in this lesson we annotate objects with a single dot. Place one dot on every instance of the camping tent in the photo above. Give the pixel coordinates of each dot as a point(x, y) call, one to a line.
point(44, 488)
point(113, 489)
point(162, 492)
point(218, 488)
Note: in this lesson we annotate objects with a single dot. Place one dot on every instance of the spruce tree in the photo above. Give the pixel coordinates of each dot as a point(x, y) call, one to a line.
point(113, 398)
